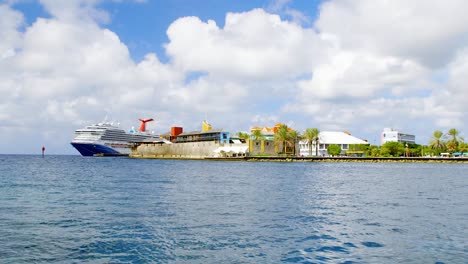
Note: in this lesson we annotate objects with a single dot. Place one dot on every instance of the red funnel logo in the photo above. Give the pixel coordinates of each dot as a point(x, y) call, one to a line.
point(143, 123)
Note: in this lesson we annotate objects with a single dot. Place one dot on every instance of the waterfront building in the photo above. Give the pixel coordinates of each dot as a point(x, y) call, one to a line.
point(210, 135)
point(390, 135)
point(326, 138)
point(266, 145)
point(204, 143)
point(207, 133)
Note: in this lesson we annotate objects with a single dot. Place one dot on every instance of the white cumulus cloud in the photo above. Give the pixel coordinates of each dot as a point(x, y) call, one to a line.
point(253, 45)
point(362, 66)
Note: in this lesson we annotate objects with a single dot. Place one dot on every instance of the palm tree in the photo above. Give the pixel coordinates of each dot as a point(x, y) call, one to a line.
point(316, 139)
point(282, 135)
point(243, 135)
point(310, 136)
point(453, 133)
point(257, 135)
point(294, 137)
point(436, 141)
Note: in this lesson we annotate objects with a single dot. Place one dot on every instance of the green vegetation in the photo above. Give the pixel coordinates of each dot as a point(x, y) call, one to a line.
point(243, 135)
point(334, 150)
point(374, 151)
point(294, 137)
point(392, 149)
point(451, 142)
point(358, 150)
point(439, 143)
point(463, 147)
point(287, 137)
point(312, 135)
point(257, 135)
point(436, 142)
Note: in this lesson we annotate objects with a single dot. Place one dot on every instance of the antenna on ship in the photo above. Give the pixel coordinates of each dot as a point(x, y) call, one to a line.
point(143, 123)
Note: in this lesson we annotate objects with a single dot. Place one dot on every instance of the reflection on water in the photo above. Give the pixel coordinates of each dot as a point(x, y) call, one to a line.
point(101, 210)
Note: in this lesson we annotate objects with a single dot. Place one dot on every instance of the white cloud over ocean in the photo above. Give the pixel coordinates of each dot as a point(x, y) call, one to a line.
point(360, 66)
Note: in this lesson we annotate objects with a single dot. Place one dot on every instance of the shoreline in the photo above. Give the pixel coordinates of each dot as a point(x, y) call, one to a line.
point(318, 159)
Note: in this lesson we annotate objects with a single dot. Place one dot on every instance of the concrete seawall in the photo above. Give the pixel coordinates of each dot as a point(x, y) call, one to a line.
point(189, 150)
point(206, 151)
point(346, 159)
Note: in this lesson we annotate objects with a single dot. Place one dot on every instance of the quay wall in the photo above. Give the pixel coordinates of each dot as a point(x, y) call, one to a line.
point(355, 159)
point(188, 150)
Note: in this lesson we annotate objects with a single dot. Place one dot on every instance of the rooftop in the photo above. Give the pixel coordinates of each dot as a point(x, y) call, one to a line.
point(332, 137)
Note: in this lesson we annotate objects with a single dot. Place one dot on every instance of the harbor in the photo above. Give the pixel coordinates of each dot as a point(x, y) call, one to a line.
point(276, 143)
point(120, 210)
point(311, 159)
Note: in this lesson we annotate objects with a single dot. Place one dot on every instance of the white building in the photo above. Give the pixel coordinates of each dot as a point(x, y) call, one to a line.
point(326, 138)
point(390, 135)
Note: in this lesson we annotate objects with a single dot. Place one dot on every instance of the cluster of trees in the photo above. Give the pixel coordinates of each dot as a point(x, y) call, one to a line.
point(288, 138)
point(450, 142)
point(440, 143)
point(285, 135)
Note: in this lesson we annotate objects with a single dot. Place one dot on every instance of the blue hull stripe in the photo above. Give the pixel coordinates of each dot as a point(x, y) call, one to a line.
point(91, 149)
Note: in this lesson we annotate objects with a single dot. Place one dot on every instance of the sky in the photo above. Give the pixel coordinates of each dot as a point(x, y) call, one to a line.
point(336, 65)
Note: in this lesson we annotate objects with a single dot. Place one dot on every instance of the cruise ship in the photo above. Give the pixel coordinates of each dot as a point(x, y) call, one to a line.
point(107, 139)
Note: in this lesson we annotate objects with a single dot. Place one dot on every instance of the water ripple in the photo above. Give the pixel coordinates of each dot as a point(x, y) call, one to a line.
point(69, 209)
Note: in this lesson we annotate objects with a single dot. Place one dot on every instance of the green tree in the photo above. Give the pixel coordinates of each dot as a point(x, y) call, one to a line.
point(309, 137)
point(242, 135)
point(359, 149)
point(334, 150)
point(454, 139)
point(312, 135)
point(257, 135)
point(453, 133)
point(392, 149)
point(452, 146)
point(283, 136)
point(415, 150)
point(294, 136)
point(463, 147)
point(436, 142)
point(373, 151)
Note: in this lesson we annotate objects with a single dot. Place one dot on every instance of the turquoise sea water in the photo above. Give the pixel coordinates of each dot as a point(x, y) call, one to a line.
point(70, 209)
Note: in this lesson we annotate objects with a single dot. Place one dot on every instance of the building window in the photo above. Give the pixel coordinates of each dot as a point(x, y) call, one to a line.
point(345, 146)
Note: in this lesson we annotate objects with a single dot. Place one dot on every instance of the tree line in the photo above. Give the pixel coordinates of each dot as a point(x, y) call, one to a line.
point(440, 142)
